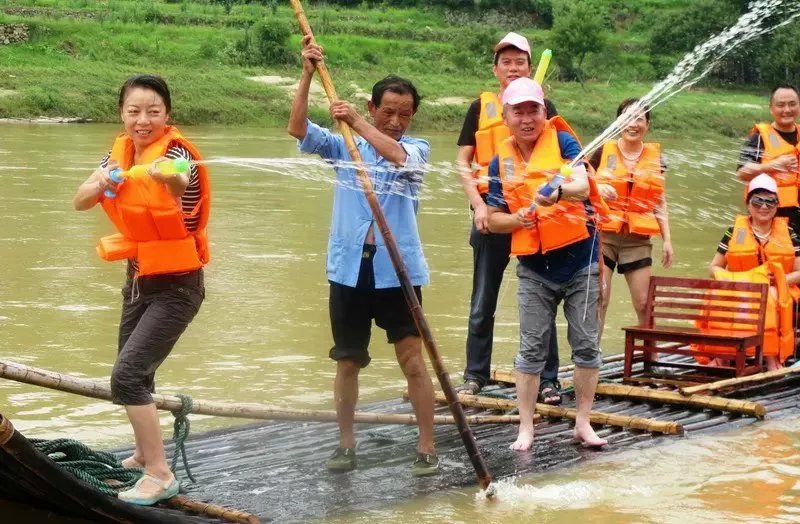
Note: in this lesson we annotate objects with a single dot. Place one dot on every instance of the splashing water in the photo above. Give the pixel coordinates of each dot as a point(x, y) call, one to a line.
point(749, 26)
point(439, 177)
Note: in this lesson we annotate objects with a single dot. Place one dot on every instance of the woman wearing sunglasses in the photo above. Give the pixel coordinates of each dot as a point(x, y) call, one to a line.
point(758, 238)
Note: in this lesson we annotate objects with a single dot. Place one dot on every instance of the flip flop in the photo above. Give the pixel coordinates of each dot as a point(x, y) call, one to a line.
point(133, 495)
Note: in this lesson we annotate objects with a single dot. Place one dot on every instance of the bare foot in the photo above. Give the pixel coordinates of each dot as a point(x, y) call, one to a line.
point(587, 437)
point(133, 462)
point(524, 440)
point(773, 364)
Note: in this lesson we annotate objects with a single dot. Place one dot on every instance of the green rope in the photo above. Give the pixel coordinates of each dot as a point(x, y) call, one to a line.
point(180, 433)
point(92, 467)
point(97, 467)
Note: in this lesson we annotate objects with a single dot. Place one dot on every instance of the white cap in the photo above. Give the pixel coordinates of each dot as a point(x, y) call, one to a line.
point(523, 90)
point(513, 40)
point(762, 182)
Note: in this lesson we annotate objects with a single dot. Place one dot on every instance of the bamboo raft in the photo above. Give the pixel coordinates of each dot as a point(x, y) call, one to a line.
point(276, 469)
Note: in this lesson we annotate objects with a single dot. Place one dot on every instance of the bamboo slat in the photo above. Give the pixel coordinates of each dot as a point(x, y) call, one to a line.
point(102, 391)
point(612, 358)
point(595, 417)
point(743, 407)
point(720, 384)
point(212, 510)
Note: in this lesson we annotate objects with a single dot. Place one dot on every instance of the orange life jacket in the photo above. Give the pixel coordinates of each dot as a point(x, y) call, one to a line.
point(150, 220)
point(775, 146)
point(559, 225)
point(745, 252)
point(778, 322)
point(492, 131)
point(639, 191)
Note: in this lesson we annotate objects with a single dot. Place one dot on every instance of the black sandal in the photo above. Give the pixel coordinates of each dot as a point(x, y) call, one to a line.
point(550, 392)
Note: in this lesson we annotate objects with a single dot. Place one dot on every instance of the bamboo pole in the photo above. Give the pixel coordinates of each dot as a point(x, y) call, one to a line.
point(212, 510)
point(743, 407)
point(595, 417)
point(607, 360)
point(481, 470)
point(720, 384)
point(102, 391)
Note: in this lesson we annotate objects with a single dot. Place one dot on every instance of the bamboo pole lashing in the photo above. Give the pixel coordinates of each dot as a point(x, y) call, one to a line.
point(102, 391)
point(739, 381)
point(184, 503)
point(481, 470)
point(595, 417)
point(744, 407)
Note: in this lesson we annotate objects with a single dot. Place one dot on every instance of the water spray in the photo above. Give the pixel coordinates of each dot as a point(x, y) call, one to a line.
point(749, 26)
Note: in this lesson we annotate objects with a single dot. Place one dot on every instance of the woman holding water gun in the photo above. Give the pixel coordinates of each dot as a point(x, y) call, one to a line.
point(161, 216)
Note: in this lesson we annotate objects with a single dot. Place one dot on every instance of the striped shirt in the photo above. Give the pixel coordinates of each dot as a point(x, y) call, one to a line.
point(722, 248)
point(191, 196)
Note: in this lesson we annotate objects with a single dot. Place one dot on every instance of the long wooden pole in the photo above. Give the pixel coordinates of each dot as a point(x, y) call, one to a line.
point(481, 470)
point(749, 379)
point(595, 417)
point(745, 407)
point(102, 391)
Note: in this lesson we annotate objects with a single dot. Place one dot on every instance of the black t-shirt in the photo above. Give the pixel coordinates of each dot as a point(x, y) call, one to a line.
point(753, 150)
point(467, 136)
point(722, 247)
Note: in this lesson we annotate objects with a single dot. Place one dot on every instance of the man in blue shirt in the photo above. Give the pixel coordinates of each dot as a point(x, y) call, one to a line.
point(557, 248)
point(363, 282)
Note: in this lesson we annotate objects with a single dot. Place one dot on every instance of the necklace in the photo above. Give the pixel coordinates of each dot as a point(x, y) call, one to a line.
point(630, 158)
point(761, 236)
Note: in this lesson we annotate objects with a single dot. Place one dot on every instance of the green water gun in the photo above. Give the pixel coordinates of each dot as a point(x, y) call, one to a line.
point(165, 167)
point(544, 63)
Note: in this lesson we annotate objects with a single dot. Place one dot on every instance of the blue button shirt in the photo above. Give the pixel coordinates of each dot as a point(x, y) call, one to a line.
point(397, 189)
point(559, 265)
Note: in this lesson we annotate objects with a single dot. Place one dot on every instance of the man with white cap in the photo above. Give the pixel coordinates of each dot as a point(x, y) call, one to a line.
point(557, 248)
point(481, 134)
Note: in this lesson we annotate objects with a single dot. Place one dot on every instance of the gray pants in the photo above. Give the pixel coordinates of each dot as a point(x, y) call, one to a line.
point(155, 312)
point(538, 302)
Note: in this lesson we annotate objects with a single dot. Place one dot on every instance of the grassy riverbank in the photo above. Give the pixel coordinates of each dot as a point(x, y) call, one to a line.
point(79, 52)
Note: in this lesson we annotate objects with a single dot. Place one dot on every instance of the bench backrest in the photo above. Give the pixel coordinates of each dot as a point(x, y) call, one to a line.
point(673, 301)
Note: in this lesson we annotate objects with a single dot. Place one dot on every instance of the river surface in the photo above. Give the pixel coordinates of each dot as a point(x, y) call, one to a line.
point(263, 335)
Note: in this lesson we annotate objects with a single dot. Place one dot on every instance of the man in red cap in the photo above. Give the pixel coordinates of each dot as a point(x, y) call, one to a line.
point(482, 132)
point(557, 247)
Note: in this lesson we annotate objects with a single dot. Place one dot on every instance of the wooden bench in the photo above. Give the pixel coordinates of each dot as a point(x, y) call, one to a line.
point(673, 304)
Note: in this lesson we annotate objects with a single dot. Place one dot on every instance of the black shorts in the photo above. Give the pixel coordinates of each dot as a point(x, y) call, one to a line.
point(353, 308)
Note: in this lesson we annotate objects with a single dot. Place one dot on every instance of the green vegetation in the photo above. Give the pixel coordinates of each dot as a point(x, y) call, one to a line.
point(80, 51)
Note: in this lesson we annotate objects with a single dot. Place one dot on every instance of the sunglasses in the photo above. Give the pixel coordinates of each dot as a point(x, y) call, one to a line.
point(761, 202)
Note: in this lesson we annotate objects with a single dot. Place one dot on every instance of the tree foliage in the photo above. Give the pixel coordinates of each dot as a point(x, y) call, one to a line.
point(580, 27)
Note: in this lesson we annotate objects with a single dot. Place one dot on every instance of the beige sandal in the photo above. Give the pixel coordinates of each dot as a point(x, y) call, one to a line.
point(133, 496)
